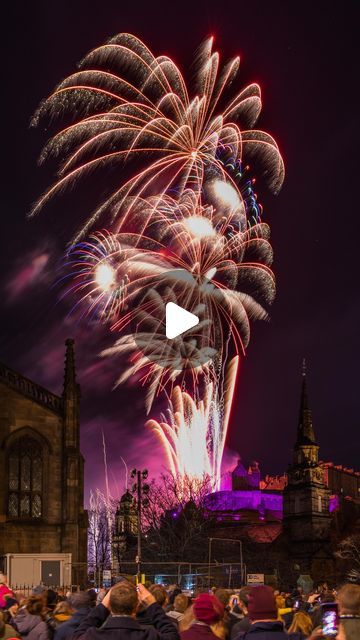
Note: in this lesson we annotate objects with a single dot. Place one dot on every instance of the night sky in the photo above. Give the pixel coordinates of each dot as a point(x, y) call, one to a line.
point(304, 57)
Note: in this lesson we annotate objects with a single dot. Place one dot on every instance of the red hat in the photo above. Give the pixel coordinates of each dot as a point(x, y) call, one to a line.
point(208, 608)
point(262, 604)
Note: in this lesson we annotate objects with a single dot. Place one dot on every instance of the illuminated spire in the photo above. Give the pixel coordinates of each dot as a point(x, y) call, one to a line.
point(305, 433)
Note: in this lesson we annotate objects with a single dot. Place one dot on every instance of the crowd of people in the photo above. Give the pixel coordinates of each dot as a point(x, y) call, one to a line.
point(130, 612)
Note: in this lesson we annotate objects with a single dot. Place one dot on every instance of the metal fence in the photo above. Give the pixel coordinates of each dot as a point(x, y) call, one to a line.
point(26, 590)
point(189, 576)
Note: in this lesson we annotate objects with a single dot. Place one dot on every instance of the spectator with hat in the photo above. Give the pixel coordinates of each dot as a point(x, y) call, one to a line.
point(263, 616)
point(81, 603)
point(208, 611)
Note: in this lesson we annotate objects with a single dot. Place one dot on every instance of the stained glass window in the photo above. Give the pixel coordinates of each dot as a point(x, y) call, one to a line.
point(25, 482)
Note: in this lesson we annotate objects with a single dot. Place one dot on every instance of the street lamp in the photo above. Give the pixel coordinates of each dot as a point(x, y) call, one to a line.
point(141, 489)
point(225, 540)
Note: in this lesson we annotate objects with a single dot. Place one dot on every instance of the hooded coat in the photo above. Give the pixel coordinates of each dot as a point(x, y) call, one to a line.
point(31, 627)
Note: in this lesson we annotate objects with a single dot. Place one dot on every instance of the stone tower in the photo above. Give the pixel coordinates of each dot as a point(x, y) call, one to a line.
point(126, 528)
point(307, 518)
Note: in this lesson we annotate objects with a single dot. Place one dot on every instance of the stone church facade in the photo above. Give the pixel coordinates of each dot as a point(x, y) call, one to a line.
point(42, 469)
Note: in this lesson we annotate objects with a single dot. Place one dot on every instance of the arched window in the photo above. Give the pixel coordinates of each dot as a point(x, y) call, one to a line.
point(25, 479)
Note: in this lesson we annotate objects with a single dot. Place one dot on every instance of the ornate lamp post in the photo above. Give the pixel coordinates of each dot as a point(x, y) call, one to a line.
point(141, 489)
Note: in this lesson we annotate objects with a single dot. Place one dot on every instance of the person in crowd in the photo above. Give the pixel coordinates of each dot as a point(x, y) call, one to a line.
point(208, 612)
point(32, 621)
point(62, 613)
point(39, 590)
point(233, 613)
point(81, 604)
point(51, 599)
point(263, 615)
point(302, 624)
point(188, 618)
point(173, 592)
point(116, 616)
point(287, 613)
point(348, 600)
point(10, 610)
point(5, 591)
point(161, 597)
point(101, 595)
point(244, 623)
point(6, 630)
point(181, 603)
point(316, 614)
point(349, 629)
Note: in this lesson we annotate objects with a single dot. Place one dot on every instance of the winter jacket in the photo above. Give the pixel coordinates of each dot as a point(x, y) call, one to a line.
point(240, 626)
point(66, 630)
point(125, 627)
point(198, 631)
point(5, 591)
point(31, 627)
point(268, 631)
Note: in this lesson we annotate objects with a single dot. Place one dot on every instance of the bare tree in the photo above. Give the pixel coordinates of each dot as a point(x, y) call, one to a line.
point(101, 516)
point(349, 551)
point(175, 519)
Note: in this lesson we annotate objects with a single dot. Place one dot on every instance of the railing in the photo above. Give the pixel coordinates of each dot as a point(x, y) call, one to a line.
point(30, 389)
point(26, 590)
point(190, 576)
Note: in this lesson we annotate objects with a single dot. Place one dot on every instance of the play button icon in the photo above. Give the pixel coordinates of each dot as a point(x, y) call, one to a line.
point(176, 323)
point(178, 320)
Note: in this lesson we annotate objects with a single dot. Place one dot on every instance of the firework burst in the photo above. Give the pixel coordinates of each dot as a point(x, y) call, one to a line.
point(136, 109)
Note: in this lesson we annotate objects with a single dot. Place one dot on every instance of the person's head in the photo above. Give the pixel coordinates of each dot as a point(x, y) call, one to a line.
point(39, 590)
point(35, 605)
point(3, 578)
point(208, 609)
point(160, 594)
point(181, 603)
point(349, 599)
point(92, 596)
point(262, 604)
point(289, 602)
point(51, 598)
point(81, 600)
point(327, 596)
point(174, 592)
point(224, 596)
point(301, 623)
point(64, 608)
point(123, 599)
point(349, 629)
point(11, 603)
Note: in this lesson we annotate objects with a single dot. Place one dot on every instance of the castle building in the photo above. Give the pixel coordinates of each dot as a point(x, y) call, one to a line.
point(300, 513)
point(42, 470)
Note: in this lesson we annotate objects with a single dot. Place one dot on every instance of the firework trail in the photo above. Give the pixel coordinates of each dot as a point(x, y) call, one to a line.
point(194, 434)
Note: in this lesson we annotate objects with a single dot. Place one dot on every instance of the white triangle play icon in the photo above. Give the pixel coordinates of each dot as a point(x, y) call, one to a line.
point(178, 320)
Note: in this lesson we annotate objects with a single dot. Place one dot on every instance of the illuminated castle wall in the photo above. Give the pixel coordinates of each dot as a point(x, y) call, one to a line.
point(295, 496)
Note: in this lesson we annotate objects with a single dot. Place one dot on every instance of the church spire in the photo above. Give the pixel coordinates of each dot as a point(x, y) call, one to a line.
point(71, 397)
point(70, 370)
point(305, 432)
